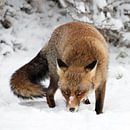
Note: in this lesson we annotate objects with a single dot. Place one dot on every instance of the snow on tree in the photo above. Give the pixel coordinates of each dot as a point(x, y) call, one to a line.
point(37, 5)
point(111, 17)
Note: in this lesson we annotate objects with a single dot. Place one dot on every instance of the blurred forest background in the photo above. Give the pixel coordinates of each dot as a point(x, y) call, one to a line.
point(111, 17)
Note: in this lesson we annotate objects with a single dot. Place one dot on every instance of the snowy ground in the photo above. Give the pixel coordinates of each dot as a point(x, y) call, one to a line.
point(32, 31)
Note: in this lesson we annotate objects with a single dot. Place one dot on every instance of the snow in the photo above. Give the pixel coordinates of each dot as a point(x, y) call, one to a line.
point(80, 6)
point(32, 32)
point(100, 3)
point(126, 38)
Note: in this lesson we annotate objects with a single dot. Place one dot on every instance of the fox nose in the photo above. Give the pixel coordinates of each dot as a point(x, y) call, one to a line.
point(72, 109)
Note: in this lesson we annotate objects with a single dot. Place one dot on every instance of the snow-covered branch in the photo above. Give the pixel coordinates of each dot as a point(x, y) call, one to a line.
point(110, 16)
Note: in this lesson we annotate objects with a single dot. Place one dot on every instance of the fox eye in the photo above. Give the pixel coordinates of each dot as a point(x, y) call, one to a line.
point(65, 93)
point(80, 93)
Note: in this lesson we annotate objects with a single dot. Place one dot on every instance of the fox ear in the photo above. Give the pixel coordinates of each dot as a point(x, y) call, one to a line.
point(92, 67)
point(61, 66)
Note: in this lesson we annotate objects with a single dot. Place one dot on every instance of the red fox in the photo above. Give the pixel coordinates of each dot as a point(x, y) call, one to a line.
point(75, 59)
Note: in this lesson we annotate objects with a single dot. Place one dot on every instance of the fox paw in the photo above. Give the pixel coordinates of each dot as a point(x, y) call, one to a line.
point(86, 101)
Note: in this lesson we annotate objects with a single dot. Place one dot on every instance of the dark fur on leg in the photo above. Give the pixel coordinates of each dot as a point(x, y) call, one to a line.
point(51, 91)
point(100, 94)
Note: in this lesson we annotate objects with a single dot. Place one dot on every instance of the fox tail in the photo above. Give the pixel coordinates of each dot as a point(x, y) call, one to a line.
point(25, 82)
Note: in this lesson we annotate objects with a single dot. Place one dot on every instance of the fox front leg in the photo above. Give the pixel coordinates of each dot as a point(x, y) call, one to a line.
point(100, 94)
point(51, 92)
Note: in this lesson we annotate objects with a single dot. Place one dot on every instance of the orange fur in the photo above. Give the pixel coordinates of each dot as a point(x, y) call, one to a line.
point(78, 44)
point(76, 58)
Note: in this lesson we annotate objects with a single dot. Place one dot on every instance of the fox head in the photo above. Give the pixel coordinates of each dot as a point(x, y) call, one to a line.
point(75, 82)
